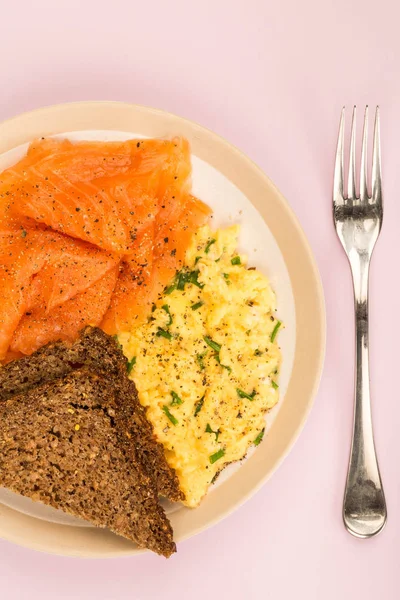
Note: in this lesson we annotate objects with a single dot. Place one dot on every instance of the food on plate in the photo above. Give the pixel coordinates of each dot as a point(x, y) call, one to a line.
point(38, 327)
point(100, 192)
point(139, 352)
point(40, 271)
point(99, 353)
point(138, 288)
point(90, 233)
point(67, 444)
point(206, 364)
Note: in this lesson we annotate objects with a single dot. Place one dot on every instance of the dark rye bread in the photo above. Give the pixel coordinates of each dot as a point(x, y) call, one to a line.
point(100, 353)
point(67, 444)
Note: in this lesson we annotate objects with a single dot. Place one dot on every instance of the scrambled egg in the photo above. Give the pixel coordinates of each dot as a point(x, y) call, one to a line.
point(206, 364)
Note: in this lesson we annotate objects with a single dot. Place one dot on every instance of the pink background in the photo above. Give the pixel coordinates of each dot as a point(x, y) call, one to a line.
point(271, 77)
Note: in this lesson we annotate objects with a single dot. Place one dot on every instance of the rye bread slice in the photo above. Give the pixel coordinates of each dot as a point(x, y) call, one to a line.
point(102, 354)
point(67, 444)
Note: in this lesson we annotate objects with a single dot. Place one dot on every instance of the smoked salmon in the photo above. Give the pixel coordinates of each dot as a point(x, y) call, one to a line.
point(91, 233)
point(103, 193)
point(63, 322)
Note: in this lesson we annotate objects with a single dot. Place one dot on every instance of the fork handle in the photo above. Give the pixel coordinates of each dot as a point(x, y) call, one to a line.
point(364, 506)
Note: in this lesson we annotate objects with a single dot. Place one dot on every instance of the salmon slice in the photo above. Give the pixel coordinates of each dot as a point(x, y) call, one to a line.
point(22, 255)
point(100, 192)
point(174, 236)
point(137, 289)
point(90, 233)
point(42, 268)
point(64, 322)
point(71, 268)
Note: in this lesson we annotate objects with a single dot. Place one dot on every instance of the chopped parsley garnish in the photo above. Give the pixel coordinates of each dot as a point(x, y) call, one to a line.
point(274, 385)
point(194, 276)
point(212, 344)
point(168, 290)
point(197, 305)
point(275, 331)
point(182, 279)
point(210, 243)
point(171, 417)
point(197, 259)
point(175, 399)
point(24, 233)
point(236, 260)
point(225, 275)
point(162, 333)
point(200, 360)
point(257, 352)
point(217, 456)
point(199, 406)
point(130, 364)
point(243, 394)
point(218, 359)
point(153, 308)
point(259, 437)
point(166, 308)
point(216, 433)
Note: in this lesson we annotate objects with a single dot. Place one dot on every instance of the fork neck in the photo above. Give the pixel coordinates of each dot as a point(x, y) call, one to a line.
point(360, 270)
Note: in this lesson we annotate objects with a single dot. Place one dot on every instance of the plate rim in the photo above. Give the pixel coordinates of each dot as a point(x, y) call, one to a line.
point(15, 128)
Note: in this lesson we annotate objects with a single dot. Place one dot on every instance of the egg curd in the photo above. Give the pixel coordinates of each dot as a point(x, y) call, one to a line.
point(206, 364)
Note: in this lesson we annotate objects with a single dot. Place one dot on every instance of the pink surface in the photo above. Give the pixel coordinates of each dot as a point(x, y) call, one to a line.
point(271, 77)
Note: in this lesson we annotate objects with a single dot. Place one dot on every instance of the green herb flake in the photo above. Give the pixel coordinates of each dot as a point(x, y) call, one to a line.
point(257, 352)
point(170, 416)
point(236, 260)
point(197, 305)
point(182, 280)
point(162, 333)
point(24, 233)
point(274, 385)
point(130, 364)
point(200, 360)
point(216, 433)
point(194, 278)
point(217, 456)
point(225, 275)
point(218, 359)
point(199, 406)
point(184, 277)
point(153, 308)
point(197, 260)
point(275, 331)
point(175, 399)
point(166, 308)
point(243, 394)
point(210, 243)
point(212, 344)
point(259, 437)
point(168, 290)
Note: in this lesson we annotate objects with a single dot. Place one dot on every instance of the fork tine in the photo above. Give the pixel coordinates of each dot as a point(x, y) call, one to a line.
point(338, 176)
point(364, 156)
point(376, 162)
point(351, 186)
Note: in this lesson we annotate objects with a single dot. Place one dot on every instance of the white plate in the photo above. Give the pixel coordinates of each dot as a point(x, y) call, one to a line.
point(230, 205)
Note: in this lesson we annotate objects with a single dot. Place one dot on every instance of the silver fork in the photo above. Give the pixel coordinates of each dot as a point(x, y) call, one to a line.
point(358, 223)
